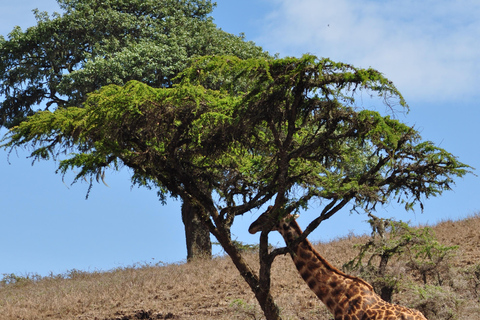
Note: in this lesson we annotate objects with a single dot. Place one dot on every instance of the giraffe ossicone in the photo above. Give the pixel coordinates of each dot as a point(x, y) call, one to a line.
point(347, 297)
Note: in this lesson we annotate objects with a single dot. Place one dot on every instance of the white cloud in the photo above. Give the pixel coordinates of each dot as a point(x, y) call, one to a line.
point(430, 49)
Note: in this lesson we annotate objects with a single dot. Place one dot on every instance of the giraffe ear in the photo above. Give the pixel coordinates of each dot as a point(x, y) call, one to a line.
point(295, 216)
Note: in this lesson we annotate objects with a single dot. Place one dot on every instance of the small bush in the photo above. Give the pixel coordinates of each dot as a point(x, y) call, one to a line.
point(424, 256)
point(437, 302)
point(13, 279)
point(427, 257)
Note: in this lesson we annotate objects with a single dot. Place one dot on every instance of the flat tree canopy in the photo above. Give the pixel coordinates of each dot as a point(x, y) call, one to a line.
point(284, 131)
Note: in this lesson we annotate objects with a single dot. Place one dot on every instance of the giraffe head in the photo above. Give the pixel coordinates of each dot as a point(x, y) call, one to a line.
point(268, 216)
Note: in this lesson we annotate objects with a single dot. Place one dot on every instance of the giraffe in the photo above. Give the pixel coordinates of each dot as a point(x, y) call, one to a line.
point(346, 297)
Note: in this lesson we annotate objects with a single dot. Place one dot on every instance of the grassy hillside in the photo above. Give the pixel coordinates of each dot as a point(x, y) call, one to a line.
point(214, 289)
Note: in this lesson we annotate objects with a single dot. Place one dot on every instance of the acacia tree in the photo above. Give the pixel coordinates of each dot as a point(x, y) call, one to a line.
point(283, 131)
point(94, 43)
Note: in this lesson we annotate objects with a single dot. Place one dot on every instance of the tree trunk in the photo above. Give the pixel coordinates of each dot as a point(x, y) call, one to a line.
point(263, 294)
point(221, 231)
point(196, 233)
point(387, 288)
point(261, 289)
point(269, 308)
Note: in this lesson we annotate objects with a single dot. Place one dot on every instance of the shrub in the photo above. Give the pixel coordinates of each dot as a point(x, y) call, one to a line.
point(437, 302)
point(424, 255)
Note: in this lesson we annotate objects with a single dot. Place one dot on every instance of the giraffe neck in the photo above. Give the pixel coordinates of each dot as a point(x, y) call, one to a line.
point(323, 279)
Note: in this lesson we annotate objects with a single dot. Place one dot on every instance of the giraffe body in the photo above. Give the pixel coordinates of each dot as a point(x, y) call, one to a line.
point(346, 297)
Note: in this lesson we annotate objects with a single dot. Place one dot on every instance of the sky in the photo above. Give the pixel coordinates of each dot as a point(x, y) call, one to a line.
point(429, 49)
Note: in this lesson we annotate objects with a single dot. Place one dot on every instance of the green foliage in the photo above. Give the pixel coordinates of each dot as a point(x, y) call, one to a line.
point(284, 128)
point(96, 43)
point(426, 257)
point(114, 109)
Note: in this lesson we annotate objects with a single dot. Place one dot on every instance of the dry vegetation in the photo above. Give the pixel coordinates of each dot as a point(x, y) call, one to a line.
point(215, 290)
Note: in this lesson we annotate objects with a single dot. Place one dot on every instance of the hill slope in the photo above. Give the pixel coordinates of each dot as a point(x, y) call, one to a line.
point(214, 289)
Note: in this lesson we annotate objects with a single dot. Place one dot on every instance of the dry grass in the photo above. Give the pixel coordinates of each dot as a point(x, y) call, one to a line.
point(214, 289)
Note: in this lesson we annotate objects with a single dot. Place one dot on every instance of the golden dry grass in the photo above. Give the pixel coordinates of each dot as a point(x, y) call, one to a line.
point(214, 289)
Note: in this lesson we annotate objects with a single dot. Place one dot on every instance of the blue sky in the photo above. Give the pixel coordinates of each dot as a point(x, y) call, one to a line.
point(429, 49)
